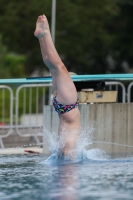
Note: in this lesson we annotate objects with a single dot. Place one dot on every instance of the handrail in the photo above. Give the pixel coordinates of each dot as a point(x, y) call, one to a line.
point(17, 104)
point(123, 89)
point(11, 115)
point(129, 92)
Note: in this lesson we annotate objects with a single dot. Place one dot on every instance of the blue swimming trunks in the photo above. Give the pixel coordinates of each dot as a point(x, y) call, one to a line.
point(61, 109)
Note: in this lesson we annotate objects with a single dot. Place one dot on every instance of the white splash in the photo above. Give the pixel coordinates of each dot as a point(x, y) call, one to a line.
point(85, 139)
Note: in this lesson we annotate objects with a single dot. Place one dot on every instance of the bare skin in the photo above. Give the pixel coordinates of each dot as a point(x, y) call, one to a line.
point(63, 87)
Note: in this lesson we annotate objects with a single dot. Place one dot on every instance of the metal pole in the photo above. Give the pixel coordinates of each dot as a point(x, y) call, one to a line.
point(53, 20)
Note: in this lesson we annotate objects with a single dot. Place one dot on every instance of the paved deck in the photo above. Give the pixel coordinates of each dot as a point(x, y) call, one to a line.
point(28, 150)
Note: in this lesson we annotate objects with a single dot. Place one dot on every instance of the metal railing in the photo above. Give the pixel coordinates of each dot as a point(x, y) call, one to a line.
point(129, 92)
point(31, 93)
point(25, 95)
point(10, 118)
point(6, 111)
point(117, 84)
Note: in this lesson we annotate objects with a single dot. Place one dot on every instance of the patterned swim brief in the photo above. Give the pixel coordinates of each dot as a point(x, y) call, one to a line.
point(61, 109)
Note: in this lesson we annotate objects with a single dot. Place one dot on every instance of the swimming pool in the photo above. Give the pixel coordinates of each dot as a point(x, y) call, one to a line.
point(27, 177)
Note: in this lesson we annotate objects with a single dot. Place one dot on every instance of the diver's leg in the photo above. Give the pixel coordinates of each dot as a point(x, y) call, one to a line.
point(62, 83)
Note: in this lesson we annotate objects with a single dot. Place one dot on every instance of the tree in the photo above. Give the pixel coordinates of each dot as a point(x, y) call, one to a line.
point(11, 65)
point(3, 51)
point(17, 21)
point(89, 34)
point(85, 37)
point(123, 40)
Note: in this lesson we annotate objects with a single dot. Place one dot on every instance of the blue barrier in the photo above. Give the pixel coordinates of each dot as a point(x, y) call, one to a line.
point(105, 77)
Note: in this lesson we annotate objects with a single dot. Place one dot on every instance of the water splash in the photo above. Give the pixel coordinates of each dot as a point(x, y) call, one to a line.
point(56, 143)
point(97, 154)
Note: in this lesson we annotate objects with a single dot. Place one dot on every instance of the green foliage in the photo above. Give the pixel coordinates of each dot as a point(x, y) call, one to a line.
point(14, 65)
point(87, 33)
point(11, 65)
point(85, 37)
point(123, 42)
point(17, 21)
point(3, 51)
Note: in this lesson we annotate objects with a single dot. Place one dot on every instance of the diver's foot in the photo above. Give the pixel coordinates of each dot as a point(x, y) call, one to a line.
point(42, 27)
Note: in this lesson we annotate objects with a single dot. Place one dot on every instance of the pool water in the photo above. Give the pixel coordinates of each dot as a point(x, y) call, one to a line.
point(29, 177)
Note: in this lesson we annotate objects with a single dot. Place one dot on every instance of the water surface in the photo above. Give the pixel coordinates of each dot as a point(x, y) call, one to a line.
point(28, 177)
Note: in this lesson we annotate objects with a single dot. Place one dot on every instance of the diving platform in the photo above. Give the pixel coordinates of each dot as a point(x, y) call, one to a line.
point(75, 78)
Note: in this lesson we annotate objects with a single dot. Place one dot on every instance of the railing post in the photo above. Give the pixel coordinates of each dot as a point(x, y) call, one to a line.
point(123, 89)
point(129, 92)
point(53, 22)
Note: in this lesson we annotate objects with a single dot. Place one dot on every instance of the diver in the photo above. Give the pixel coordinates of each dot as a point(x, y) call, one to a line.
point(64, 91)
